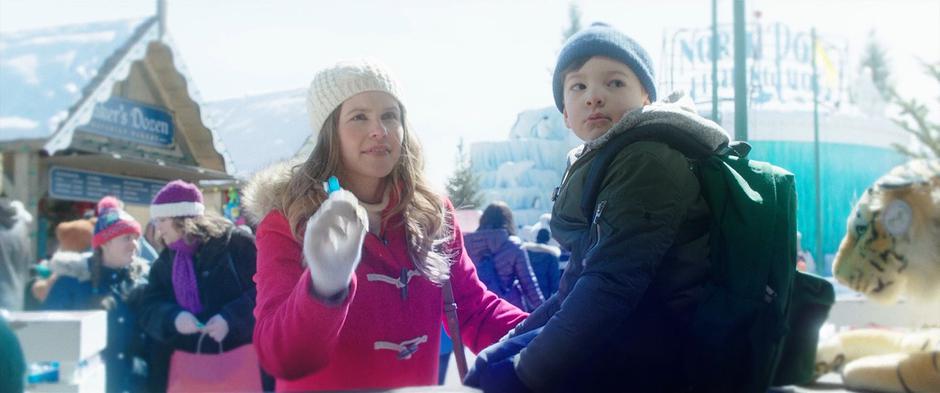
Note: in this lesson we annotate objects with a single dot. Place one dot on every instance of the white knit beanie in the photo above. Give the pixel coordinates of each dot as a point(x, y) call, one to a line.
point(335, 84)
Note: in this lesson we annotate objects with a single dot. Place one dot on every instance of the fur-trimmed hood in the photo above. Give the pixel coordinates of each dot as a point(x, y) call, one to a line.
point(266, 188)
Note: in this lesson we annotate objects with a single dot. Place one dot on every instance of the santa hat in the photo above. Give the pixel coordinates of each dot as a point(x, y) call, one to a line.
point(111, 224)
point(177, 199)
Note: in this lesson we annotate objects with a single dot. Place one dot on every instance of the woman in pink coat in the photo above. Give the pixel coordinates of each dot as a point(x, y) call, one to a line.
point(350, 279)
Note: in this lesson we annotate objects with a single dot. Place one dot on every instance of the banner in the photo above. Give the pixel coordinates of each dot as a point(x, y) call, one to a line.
point(779, 65)
point(133, 121)
point(79, 185)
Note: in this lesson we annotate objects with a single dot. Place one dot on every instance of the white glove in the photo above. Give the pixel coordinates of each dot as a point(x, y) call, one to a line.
point(333, 242)
point(186, 323)
point(217, 328)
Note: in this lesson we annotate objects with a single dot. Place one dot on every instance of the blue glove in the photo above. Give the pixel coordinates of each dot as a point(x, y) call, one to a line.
point(494, 369)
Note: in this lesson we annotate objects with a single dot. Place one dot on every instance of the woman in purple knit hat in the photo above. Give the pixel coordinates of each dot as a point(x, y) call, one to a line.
point(201, 284)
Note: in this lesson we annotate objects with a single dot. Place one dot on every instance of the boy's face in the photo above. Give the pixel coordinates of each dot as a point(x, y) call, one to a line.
point(599, 94)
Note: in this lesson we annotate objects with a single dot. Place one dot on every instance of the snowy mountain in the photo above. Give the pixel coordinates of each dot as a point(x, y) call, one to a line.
point(261, 129)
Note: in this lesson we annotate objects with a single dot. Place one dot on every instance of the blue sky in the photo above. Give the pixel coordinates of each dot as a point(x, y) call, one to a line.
point(467, 67)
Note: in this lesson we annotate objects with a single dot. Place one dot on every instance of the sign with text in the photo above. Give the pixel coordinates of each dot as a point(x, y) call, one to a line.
point(779, 64)
point(133, 121)
point(79, 185)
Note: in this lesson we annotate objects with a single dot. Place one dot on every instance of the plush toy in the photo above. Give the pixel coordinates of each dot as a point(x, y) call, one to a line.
point(891, 249)
point(883, 360)
point(74, 237)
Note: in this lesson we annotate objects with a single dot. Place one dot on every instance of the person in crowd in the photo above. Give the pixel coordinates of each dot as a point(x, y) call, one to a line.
point(73, 237)
point(639, 260)
point(108, 278)
point(543, 223)
point(145, 249)
point(15, 253)
point(150, 235)
point(545, 262)
point(12, 363)
point(352, 273)
point(200, 285)
point(500, 259)
point(804, 259)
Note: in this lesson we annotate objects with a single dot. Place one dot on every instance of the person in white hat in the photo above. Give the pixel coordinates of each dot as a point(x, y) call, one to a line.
point(350, 273)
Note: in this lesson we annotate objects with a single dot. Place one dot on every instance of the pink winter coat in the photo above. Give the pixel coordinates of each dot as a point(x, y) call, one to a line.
point(384, 335)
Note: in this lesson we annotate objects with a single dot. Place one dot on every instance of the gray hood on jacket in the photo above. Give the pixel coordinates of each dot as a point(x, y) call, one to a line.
point(677, 111)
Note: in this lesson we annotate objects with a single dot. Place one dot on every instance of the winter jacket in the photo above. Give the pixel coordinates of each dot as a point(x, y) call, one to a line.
point(385, 333)
point(224, 268)
point(639, 261)
point(15, 253)
point(514, 279)
point(124, 356)
point(545, 265)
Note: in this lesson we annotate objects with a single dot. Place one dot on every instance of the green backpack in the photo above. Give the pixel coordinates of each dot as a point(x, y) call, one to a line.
point(740, 330)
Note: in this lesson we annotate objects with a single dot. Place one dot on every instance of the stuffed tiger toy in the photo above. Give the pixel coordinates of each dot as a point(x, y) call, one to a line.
point(891, 249)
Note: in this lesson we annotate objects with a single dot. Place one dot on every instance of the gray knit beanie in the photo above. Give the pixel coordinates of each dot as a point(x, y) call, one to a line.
point(335, 84)
point(600, 39)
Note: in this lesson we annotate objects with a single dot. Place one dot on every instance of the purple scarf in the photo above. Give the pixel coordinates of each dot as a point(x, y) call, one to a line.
point(184, 276)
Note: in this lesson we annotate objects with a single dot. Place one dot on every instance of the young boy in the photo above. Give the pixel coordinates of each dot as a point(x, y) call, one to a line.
point(638, 263)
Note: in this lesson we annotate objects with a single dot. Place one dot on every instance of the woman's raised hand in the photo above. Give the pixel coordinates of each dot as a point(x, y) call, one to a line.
point(333, 242)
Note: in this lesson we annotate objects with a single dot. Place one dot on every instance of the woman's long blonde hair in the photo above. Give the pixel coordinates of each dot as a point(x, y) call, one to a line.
point(426, 226)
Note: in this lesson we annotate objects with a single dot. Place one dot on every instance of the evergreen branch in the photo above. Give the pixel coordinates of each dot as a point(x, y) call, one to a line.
point(906, 152)
point(912, 118)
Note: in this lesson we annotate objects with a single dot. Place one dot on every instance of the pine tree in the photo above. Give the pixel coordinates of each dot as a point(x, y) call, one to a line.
point(463, 187)
point(875, 58)
point(913, 119)
point(574, 20)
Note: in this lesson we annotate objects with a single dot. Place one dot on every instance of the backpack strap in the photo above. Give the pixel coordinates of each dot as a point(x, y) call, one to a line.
point(450, 309)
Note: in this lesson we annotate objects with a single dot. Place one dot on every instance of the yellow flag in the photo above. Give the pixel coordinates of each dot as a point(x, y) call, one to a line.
point(830, 75)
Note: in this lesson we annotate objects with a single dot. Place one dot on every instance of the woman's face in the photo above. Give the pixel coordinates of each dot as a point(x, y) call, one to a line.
point(370, 133)
point(119, 251)
point(151, 235)
point(167, 231)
